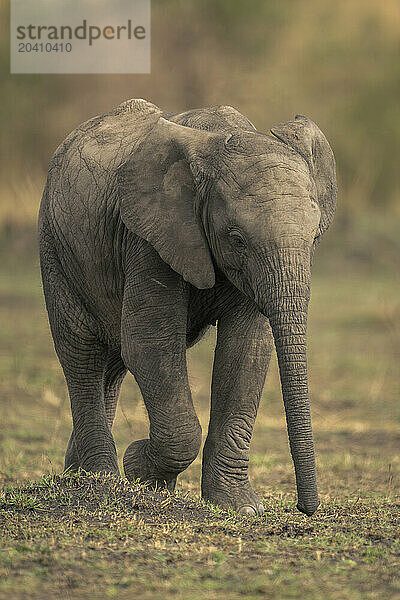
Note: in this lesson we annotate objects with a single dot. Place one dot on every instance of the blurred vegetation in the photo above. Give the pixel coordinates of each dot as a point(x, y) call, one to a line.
point(335, 62)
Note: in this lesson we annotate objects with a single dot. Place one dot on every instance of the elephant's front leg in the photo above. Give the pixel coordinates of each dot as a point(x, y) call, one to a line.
point(154, 350)
point(242, 356)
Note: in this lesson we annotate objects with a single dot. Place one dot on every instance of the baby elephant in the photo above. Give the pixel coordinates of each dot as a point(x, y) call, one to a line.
point(154, 226)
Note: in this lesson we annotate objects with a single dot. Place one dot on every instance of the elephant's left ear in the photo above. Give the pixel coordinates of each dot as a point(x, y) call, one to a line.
point(307, 139)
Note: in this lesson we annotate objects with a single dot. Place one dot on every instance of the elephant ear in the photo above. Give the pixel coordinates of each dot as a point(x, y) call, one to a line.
point(307, 139)
point(157, 197)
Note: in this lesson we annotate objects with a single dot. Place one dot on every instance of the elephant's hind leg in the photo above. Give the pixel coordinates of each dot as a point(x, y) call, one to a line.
point(114, 374)
point(84, 360)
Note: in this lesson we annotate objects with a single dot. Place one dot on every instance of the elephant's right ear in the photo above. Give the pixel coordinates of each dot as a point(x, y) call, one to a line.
point(305, 137)
point(157, 195)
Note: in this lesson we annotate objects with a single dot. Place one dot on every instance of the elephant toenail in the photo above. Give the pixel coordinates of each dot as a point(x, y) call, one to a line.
point(260, 508)
point(248, 511)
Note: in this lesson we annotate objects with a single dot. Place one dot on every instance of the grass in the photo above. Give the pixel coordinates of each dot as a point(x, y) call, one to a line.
point(93, 533)
point(86, 536)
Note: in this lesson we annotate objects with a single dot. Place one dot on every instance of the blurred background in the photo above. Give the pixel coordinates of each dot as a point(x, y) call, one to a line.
point(336, 62)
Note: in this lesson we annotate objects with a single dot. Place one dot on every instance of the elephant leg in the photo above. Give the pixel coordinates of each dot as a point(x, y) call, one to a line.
point(175, 433)
point(242, 355)
point(84, 360)
point(114, 374)
point(71, 461)
point(154, 321)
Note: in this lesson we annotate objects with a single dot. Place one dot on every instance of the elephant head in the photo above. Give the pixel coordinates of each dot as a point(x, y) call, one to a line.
point(255, 206)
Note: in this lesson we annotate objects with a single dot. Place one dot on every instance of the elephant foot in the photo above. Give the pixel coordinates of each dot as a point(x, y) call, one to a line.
point(104, 468)
point(101, 464)
point(138, 465)
point(98, 468)
point(238, 496)
point(72, 466)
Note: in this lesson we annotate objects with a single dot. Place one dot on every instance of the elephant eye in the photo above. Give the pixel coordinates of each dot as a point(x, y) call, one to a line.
point(237, 241)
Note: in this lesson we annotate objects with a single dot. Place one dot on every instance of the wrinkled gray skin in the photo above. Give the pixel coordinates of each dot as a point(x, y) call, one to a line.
point(153, 226)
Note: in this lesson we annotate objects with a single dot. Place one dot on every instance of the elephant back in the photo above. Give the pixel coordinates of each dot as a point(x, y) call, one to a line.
point(221, 118)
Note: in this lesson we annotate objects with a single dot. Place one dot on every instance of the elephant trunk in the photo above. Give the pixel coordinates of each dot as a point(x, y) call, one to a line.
point(286, 307)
